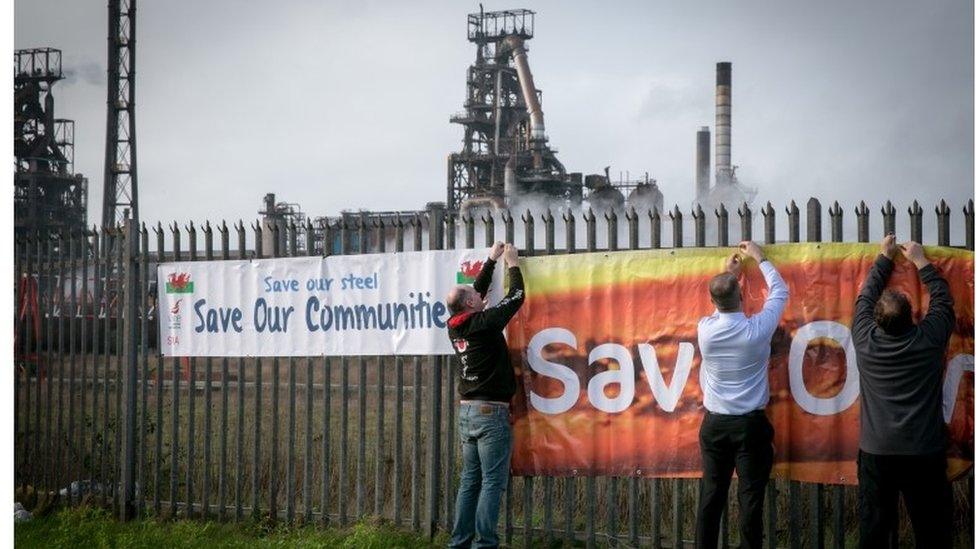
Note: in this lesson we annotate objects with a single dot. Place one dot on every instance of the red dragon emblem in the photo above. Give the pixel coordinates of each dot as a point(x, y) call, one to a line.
point(471, 268)
point(179, 281)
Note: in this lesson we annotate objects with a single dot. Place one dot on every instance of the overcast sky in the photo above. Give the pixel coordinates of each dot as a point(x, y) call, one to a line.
point(345, 105)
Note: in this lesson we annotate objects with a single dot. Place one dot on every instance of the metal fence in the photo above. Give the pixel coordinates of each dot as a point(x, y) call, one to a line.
point(101, 417)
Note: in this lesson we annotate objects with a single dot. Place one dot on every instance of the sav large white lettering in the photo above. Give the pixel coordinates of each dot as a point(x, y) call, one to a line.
point(950, 387)
point(667, 396)
point(571, 384)
point(848, 394)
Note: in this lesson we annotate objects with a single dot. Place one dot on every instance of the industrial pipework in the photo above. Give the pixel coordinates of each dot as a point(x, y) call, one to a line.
point(516, 46)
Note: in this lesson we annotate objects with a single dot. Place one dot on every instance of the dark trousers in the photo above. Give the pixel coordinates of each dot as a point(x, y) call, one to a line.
point(744, 444)
point(921, 480)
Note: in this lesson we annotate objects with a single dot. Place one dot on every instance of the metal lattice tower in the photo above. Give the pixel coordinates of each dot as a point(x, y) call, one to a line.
point(120, 197)
point(48, 195)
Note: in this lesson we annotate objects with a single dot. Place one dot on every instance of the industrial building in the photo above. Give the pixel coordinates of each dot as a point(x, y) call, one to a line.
point(48, 195)
point(506, 158)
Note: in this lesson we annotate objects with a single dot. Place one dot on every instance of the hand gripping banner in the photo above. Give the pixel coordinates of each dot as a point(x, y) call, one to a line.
point(605, 348)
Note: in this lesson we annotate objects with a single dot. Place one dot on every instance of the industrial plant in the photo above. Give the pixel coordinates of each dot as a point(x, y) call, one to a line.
point(48, 195)
point(506, 160)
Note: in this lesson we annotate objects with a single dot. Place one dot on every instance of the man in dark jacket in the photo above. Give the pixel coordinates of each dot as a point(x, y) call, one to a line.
point(486, 385)
point(902, 446)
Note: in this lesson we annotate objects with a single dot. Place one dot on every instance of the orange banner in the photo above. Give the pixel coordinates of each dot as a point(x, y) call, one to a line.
point(606, 353)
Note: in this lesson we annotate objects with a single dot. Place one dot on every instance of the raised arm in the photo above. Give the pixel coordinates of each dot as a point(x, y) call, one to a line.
point(940, 318)
point(873, 285)
point(483, 281)
point(779, 292)
point(498, 316)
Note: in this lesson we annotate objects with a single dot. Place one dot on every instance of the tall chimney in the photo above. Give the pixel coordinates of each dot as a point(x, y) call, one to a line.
point(723, 124)
point(703, 163)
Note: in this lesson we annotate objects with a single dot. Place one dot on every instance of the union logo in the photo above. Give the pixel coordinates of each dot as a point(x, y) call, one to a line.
point(461, 345)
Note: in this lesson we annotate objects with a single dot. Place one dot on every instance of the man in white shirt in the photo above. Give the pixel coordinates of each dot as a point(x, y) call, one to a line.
point(735, 433)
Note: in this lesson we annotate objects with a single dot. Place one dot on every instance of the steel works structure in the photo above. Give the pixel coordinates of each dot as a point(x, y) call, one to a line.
point(48, 195)
point(120, 198)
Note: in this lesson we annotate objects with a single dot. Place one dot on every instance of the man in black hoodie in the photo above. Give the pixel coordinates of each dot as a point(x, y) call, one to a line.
point(486, 385)
point(902, 446)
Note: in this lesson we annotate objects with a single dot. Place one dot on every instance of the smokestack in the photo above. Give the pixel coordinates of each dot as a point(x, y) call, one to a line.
point(703, 163)
point(723, 123)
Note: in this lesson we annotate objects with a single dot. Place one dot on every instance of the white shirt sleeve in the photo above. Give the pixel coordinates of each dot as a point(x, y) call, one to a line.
point(767, 319)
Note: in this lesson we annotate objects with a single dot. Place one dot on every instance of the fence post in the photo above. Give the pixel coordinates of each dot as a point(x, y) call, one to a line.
point(550, 228)
point(699, 216)
point(436, 242)
point(769, 222)
point(793, 221)
point(915, 218)
point(888, 216)
point(529, 225)
point(655, 217)
point(632, 228)
point(489, 222)
point(677, 236)
point(611, 217)
point(836, 214)
point(863, 217)
point(942, 215)
point(509, 222)
point(813, 220)
point(723, 225)
point(745, 217)
point(967, 212)
point(131, 311)
point(450, 222)
point(590, 218)
point(570, 221)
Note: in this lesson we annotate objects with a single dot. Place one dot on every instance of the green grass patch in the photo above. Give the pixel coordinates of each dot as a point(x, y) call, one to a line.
point(91, 527)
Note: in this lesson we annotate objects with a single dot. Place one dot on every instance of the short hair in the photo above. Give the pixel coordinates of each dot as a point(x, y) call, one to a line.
point(893, 312)
point(724, 288)
point(455, 299)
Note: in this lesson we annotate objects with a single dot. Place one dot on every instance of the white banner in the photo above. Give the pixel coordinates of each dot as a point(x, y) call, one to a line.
point(373, 304)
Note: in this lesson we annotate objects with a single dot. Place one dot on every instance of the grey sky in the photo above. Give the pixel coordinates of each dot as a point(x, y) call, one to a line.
point(345, 105)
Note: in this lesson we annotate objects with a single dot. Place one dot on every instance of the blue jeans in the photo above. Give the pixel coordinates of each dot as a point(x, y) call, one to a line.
point(486, 444)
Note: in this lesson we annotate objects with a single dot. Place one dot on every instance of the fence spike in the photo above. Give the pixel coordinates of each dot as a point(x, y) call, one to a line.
point(745, 221)
point(967, 212)
point(699, 217)
point(863, 214)
point(888, 217)
point(793, 221)
point(769, 222)
point(836, 214)
point(915, 220)
point(723, 224)
point(942, 218)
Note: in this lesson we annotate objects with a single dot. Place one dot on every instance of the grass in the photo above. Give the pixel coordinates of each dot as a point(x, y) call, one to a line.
point(93, 527)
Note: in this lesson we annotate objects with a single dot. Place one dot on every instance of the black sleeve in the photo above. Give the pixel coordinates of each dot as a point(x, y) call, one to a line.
point(498, 316)
point(483, 280)
point(874, 284)
point(940, 320)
